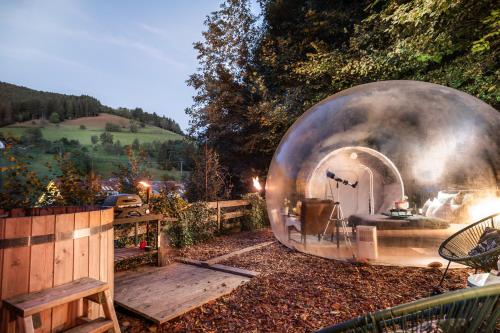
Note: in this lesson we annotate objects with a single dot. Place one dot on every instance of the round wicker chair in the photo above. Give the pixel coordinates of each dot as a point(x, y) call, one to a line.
point(468, 310)
point(458, 246)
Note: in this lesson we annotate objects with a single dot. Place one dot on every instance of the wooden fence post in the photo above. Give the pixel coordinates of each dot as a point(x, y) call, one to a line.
point(218, 216)
point(165, 251)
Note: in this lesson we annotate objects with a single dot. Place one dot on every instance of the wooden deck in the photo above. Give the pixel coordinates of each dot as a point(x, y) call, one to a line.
point(164, 293)
point(238, 252)
point(126, 253)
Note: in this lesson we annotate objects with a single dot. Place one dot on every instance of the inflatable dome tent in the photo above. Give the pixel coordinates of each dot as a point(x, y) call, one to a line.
point(385, 171)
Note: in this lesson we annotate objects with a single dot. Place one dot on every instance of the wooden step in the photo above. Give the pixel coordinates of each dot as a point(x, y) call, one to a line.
point(98, 325)
point(31, 303)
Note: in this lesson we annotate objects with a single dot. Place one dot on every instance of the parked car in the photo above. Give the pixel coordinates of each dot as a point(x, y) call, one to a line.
point(126, 205)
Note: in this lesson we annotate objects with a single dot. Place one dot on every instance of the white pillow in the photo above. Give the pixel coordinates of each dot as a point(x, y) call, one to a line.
point(468, 198)
point(435, 204)
point(444, 210)
point(425, 207)
point(444, 196)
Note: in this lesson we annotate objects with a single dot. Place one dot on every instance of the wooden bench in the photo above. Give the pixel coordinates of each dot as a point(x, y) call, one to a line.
point(27, 307)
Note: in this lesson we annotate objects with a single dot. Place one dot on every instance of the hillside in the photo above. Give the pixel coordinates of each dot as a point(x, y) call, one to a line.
point(70, 129)
point(21, 104)
point(103, 161)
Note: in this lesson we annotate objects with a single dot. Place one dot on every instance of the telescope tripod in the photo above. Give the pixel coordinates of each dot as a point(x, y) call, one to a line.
point(337, 216)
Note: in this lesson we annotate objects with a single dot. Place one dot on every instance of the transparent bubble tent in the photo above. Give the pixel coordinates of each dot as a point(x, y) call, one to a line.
point(385, 171)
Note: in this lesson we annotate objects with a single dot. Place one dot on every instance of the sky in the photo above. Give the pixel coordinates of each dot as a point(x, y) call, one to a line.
point(124, 53)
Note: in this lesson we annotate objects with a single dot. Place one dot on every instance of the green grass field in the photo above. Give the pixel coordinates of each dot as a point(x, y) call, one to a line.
point(71, 132)
point(104, 164)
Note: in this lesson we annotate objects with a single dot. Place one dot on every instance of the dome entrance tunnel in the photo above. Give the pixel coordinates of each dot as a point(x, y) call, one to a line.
point(385, 171)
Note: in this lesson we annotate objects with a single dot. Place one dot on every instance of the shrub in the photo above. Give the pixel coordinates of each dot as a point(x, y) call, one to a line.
point(32, 135)
point(194, 222)
point(106, 138)
point(94, 139)
point(135, 144)
point(110, 127)
point(134, 128)
point(255, 217)
point(82, 127)
point(54, 118)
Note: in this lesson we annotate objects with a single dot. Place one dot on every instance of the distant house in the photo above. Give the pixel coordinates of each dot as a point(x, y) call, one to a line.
point(110, 186)
point(167, 185)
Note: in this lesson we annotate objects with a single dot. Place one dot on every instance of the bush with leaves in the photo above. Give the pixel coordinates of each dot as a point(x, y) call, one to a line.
point(110, 127)
point(133, 127)
point(54, 118)
point(195, 222)
point(255, 217)
point(20, 186)
point(76, 183)
point(106, 137)
point(32, 135)
point(133, 171)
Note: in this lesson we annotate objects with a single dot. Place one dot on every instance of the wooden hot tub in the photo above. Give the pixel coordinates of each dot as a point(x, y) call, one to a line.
point(45, 247)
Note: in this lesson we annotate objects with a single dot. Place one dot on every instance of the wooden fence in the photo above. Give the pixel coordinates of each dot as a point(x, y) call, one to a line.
point(220, 206)
point(225, 210)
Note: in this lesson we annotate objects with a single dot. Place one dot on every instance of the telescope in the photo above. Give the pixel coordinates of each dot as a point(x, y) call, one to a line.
point(331, 175)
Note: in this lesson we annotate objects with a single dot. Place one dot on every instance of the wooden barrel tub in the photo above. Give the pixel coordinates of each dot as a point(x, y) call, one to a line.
point(45, 247)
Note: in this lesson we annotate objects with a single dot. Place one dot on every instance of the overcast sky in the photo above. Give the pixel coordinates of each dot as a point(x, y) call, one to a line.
point(125, 53)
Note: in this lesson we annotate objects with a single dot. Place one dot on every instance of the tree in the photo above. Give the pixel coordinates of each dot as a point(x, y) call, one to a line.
point(20, 186)
point(54, 118)
point(223, 100)
point(133, 127)
point(251, 87)
point(110, 127)
point(438, 41)
point(132, 172)
point(117, 147)
point(209, 180)
point(77, 185)
point(94, 139)
point(135, 144)
point(106, 138)
point(82, 127)
point(32, 135)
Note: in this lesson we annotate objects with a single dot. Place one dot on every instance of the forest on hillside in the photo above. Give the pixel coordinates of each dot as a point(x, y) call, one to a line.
point(258, 74)
point(19, 104)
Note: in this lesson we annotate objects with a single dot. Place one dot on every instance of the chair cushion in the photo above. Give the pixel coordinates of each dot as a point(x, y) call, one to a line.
point(489, 240)
point(453, 325)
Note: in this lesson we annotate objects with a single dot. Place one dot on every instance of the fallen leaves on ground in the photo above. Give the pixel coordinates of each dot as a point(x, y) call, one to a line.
point(296, 292)
point(226, 244)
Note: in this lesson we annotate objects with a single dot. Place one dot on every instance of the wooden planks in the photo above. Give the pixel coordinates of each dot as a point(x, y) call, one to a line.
point(218, 267)
point(238, 252)
point(16, 264)
point(42, 267)
point(93, 309)
point(228, 203)
point(168, 292)
point(42, 251)
point(95, 326)
point(126, 253)
point(31, 303)
point(63, 271)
